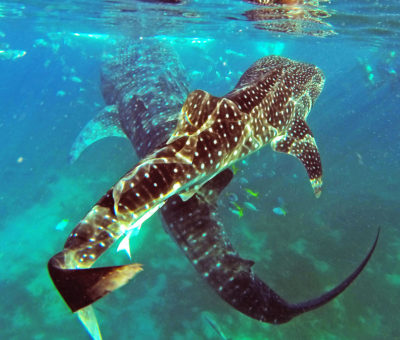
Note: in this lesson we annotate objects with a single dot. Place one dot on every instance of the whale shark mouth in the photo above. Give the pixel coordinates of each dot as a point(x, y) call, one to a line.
point(185, 174)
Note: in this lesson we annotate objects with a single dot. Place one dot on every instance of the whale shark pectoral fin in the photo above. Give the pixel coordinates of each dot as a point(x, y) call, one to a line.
point(105, 124)
point(82, 287)
point(299, 142)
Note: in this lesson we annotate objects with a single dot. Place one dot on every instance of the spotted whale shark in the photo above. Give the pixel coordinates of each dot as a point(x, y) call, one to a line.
point(183, 176)
point(143, 85)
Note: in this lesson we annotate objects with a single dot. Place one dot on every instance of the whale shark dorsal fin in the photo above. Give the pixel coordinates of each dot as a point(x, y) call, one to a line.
point(196, 110)
point(105, 124)
point(299, 142)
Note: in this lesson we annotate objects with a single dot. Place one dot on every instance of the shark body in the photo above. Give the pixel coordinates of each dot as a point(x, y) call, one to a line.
point(184, 174)
point(143, 85)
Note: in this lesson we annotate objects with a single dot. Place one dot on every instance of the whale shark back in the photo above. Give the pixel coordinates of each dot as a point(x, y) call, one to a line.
point(280, 92)
point(143, 85)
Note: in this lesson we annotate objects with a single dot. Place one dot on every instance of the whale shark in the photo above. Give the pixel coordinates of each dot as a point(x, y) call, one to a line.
point(295, 17)
point(143, 85)
point(186, 155)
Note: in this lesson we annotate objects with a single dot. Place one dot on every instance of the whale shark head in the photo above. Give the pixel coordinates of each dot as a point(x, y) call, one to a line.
point(270, 104)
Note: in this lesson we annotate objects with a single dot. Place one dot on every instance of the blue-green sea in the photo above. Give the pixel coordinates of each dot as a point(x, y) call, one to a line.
point(51, 54)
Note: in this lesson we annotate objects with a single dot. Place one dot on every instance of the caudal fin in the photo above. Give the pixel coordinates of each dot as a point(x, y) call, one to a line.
point(194, 227)
point(302, 307)
point(82, 287)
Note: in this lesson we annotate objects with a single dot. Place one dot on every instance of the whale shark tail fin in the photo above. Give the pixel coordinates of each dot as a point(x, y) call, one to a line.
point(82, 287)
point(195, 227)
point(306, 306)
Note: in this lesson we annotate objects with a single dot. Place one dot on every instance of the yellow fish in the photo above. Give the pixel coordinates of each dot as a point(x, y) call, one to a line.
point(251, 192)
point(239, 210)
point(235, 169)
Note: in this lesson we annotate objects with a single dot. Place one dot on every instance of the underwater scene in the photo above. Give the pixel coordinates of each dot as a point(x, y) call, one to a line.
point(236, 164)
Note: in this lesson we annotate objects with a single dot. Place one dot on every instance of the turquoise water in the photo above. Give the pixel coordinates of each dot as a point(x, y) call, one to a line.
point(50, 88)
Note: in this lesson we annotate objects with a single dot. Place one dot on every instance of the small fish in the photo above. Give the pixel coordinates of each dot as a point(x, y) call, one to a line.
point(40, 42)
point(231, 52)
point(250, 206)
point(243, 180)
point(62, 224)
point(11, 54)
point(279, 211)
point(239, 210)
point(196, 73)
point(95, 36)
point(360, 159)
point(369, 71)
point(232, 197)
point(259, 174)
point(251, 192)
point(236, 212)
point(235, 169)
point(215, 326)
point(76, 79)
